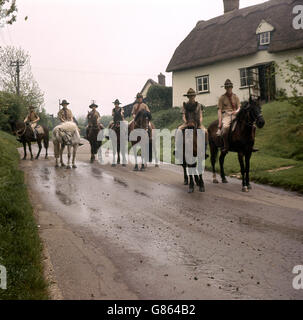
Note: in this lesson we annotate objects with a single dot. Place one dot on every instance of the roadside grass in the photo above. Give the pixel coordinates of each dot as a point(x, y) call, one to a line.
point(20, 246)
point(279, 143)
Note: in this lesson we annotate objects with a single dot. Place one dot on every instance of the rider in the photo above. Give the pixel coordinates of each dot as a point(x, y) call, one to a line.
point(66, 115)
point(192, 111)
point(138, 106)
point(32, 118)
point(228, 107)
point(117, 114)
point(93, 118)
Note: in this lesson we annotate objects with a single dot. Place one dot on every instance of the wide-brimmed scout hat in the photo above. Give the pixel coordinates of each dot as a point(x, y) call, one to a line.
point(93, 105)
point(190, 93)
point(228, 84)
point(64, 103)
point(139, 95)
point(117, 102)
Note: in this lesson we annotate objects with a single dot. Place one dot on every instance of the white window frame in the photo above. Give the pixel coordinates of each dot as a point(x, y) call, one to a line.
point(265, 38)
point(245, 78)
point(202, 84)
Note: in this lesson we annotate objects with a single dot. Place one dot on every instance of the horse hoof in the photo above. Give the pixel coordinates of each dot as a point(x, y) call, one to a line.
point(157, 166)
point(224, 181)
point(123, 165)
point(142, 169)
point(56, 166)
point(249, 187)
point(113, 165)
point(23, 158)
point(36, 158)
point(32, 159)
point(202, 189)
point(63, 165)
point(68, 167)
point(245, 189)
point(74, 166)
point(215, 181)
point(136, 169)
point(190, 190)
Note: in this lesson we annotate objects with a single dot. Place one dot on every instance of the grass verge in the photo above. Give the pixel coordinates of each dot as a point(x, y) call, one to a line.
point(20, 246)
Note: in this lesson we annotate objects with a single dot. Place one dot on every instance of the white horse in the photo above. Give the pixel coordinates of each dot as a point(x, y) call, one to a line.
point(66, 134)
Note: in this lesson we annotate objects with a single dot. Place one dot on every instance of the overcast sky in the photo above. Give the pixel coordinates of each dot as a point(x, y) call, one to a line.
point(103, 49)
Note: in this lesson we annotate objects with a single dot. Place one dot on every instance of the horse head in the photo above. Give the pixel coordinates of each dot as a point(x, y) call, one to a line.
point(191, 125)
point(251, 111)
point(142, 119)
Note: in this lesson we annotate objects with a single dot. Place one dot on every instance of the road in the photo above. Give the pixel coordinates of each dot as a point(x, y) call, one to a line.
point(111, 233)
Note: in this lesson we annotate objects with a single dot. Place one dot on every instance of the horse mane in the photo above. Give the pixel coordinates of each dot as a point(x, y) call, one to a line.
point(143, 113)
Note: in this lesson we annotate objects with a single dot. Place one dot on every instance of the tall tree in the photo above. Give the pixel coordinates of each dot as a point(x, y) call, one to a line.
point(8, 10)
point(26, 84)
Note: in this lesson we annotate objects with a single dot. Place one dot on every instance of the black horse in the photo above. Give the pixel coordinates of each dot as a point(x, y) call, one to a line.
point(241, 140)
point(26, 136)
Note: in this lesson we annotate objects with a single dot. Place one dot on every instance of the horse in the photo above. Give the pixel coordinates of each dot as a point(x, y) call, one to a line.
point(92, 136)
point(143, 121)
point(194, 169)
point(66, 134)
point(241, 140)
point(26, 136)
point(116, 131)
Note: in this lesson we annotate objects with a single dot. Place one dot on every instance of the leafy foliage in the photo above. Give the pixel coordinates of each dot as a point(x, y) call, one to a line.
point(8, 10)
point(159, 98)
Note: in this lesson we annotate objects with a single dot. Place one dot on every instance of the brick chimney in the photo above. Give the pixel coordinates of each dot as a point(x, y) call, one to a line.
point(231, 5)
point(161, 79)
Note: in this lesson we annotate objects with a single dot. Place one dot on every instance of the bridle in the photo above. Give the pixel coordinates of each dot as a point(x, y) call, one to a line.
point(250, 122)
point(17, 132)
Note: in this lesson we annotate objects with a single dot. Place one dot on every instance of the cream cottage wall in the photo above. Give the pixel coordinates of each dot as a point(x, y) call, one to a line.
point(220, 71)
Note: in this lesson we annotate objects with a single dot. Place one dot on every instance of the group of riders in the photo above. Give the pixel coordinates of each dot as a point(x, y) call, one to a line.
point(228, 107)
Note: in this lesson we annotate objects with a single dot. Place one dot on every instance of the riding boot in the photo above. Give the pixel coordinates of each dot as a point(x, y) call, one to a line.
point(226, 141)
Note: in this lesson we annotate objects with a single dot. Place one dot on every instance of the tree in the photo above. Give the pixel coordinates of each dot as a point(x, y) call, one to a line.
point(293, 75)
point(159, 97)
point(29, 88)
point(8, 10)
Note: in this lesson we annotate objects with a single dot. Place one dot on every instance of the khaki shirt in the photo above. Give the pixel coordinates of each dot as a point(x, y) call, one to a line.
point(138, 107)
point(65, 115)
point(225, 105)
point(32, 116)
point(194, 115)
point(93, 117)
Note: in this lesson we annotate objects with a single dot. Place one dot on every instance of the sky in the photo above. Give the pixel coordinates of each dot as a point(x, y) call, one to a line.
point(84, 50)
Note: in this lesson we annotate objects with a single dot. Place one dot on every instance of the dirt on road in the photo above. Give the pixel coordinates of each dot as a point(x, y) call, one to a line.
point(111, 233)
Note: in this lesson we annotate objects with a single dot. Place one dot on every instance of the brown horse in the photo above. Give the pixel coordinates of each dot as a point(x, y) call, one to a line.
point(92, 133)
point(143, 121)
point(26, 136)
point(241, 140)
point(192, 165)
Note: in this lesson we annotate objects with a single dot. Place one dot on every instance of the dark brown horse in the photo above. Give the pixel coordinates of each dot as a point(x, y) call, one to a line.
point(241, 140)
point(92, 133)
point(143, 121)
point(192, 164)
point(26, 136)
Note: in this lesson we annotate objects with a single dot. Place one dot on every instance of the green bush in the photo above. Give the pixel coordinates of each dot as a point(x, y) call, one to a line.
point(159, 98)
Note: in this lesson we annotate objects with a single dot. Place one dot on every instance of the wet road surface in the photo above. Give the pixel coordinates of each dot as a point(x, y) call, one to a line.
point(112, 233)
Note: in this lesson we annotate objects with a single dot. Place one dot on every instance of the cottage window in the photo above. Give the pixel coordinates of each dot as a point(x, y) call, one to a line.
point(264, 38)
point(246, 78)
point(202, 84)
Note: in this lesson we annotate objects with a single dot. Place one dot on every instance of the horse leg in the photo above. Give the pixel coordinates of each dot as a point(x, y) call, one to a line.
point(247, 169)
point(40, 148)
point(68, 156)
point(185, 174)
point(201, 186)
point(61, 155)
point(114, 154)
point(136, 158)
point(213, 159)
point(221, 159)
point(191, 184)
point(46, 143)
point(240, 158)
point(75, 147)
point(24, 147)
point(30, 150)
point(143, 156)
point(118, 152)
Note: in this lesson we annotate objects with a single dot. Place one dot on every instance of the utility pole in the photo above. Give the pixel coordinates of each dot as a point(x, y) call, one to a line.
point(18, 64)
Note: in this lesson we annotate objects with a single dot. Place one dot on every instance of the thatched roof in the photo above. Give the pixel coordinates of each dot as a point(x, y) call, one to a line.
point(233, 35)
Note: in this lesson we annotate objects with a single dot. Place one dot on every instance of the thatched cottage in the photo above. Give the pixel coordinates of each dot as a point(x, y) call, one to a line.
point(242, 45)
